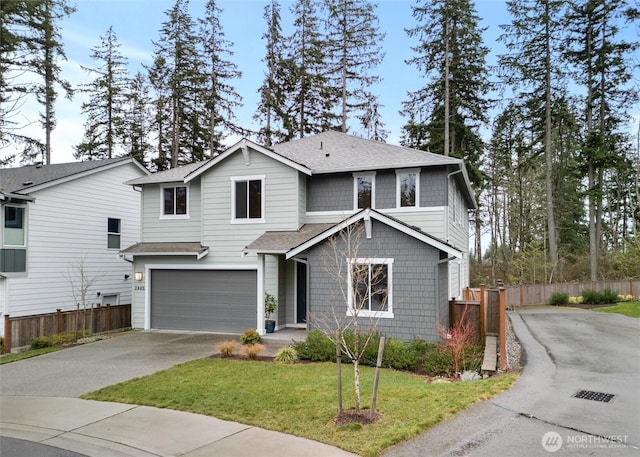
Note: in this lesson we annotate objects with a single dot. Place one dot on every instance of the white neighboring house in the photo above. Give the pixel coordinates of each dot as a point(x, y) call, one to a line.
point(57, 218)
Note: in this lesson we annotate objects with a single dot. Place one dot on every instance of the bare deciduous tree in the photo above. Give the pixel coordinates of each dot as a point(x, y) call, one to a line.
point(357, 301)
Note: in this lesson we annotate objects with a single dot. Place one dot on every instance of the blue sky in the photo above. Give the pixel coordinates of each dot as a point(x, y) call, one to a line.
point(137, 22)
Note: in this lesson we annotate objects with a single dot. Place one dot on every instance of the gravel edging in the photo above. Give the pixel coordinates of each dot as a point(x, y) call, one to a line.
point(514, 349)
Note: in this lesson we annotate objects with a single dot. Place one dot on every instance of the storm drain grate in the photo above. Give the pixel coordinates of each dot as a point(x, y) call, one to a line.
point(596, 396)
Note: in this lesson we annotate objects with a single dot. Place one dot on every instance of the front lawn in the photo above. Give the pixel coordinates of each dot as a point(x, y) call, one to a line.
point(8, 358)
point(629, 308)
point(300, 399)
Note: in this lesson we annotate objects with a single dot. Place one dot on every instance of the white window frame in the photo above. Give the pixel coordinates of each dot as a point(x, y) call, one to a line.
point(173, 216)
point(371, 175)
point(24, 227)
point(399, 173)
point(247, 220)
point(119, 233)
point(388, 314)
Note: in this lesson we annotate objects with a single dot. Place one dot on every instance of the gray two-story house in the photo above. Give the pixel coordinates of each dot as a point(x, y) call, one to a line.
point(219, 234)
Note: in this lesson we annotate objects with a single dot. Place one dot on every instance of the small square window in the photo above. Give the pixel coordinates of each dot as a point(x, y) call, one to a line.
point(113, 233)
point(370, 291)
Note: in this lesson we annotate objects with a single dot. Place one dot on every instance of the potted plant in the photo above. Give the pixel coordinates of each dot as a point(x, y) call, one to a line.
point(270, 305)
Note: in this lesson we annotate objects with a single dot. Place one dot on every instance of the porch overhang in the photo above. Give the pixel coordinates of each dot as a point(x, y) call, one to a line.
point(167, 249)
point(282, 242)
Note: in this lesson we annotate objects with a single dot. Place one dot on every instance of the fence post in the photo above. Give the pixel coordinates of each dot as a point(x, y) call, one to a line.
point(503, 328)
point(483, 323)
point(58, 321)
point(7, 334)
point(452, 310)
point(108, 323)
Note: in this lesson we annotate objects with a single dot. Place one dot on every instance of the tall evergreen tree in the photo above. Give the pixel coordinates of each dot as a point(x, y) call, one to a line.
point(355, 50)
point(180, 91)
point(30, 43)
point(312, 97)
point(599, 60)
point(105, 109)
point(221, 98)
point(272, 108)
point(533, 69)
point(137, 119)
point(51, 51)
point(445, 115)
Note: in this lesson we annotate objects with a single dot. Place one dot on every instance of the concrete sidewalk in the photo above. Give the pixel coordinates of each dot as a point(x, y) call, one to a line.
point(102, 429)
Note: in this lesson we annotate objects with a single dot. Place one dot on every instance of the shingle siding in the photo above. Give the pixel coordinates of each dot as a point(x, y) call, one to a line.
point(414, 284)
point(330, 192)
point(433, 187)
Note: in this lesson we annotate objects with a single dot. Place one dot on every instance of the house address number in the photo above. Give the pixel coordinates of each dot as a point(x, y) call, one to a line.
point(139, 288)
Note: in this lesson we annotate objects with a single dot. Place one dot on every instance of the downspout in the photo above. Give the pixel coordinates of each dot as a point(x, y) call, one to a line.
point(446, 224)
point(438, 263)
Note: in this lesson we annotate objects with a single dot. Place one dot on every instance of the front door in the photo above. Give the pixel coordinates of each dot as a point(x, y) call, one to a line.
point(301, 293)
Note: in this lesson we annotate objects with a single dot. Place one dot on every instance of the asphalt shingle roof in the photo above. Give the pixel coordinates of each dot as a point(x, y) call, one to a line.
point(172, 175)
point(283, 241)
point(332, 152)
point(165, 249)
point(23, 178)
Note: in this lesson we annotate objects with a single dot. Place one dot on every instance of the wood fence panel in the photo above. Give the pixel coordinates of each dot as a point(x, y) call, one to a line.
point(101, 319)
point(538, 294)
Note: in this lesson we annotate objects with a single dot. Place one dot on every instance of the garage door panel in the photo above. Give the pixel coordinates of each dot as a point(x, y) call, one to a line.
point(206, 300)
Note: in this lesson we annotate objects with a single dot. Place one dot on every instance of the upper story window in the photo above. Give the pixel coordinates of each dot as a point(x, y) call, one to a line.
point(247, 199)
point(113, 233)
point(364, 190)
point(14, 233)
point(370, 294)
point(175, 202)
point(408, 188)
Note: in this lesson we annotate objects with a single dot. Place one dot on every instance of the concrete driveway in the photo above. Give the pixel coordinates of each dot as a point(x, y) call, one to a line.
point(81, 369)
point(567, 351)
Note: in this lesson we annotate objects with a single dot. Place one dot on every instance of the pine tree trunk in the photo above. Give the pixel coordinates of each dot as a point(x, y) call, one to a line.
point(551, 223)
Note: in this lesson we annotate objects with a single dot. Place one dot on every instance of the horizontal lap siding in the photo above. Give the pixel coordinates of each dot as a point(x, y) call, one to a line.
point(175, 230)
point(227, 240)
point(67, 227)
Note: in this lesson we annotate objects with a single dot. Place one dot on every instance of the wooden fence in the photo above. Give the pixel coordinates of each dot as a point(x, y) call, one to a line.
point(485, 312)
point(19, 331)
point(539, 294)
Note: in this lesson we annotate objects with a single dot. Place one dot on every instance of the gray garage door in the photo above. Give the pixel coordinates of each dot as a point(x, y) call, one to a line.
point(214, 301)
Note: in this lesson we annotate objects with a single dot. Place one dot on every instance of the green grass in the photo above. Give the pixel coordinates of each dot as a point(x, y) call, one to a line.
point(300, 399)
point(8, 358)
point(629, 308)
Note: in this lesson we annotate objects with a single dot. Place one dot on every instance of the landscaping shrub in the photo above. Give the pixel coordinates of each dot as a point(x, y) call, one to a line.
point(438, 362)
point(609, 296)
point(250, 337)
point(253, 351)
point(559, 299)
point(317, 347)
point(287, 355)
point(402, 356)
point(227, 348)
point(591, 297)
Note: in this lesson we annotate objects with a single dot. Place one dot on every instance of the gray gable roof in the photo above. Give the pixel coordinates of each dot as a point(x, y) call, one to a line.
point(178, 174)
point(22, 179)
point(332, 152)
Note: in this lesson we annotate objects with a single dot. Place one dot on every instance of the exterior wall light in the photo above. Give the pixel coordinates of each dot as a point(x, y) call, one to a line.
point(138, 275)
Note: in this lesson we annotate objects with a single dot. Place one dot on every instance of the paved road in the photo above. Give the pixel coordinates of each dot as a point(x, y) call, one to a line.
point(566, 351)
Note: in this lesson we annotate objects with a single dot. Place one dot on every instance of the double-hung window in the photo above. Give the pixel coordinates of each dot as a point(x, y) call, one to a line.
point(13, 252)
point(113, 233)
point(175, 202)
point(247, 199)
point(407, 188)
point(370, 291)
point(364, 190)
